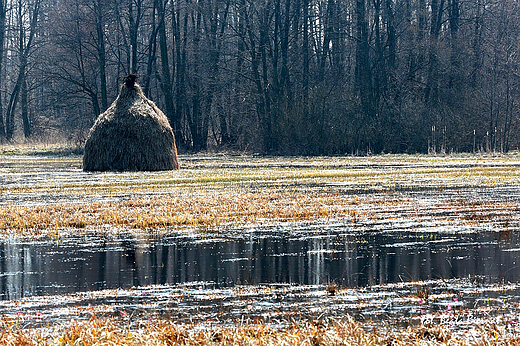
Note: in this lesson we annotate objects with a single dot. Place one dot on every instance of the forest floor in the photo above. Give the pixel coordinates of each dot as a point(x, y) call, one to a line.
point(46, 198)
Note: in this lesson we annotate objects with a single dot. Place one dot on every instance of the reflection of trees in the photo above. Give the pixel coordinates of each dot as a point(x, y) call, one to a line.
point(12, 261)
point(21, 270)
point(348, 260)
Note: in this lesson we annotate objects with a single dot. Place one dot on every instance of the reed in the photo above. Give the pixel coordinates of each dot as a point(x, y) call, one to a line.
point(165, 332)
point(211, 211)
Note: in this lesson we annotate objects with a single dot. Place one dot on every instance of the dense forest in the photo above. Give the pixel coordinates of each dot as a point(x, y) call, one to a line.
point(270, 76)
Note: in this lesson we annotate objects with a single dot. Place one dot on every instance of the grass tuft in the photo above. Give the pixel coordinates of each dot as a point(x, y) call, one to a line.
point(164, 332)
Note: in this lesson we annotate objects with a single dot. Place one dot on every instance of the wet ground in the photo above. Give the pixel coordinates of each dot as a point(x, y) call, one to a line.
point(290, 255)
point(424, 243)
point(271, 273)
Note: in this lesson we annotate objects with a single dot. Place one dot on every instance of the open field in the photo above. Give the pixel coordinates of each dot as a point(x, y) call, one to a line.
point(45, 194)
point(335, 209)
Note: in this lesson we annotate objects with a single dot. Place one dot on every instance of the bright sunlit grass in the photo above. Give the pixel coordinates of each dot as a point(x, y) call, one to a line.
point(42, 194)
point(164, 332)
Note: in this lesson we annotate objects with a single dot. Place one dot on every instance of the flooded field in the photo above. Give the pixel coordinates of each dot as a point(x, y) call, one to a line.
point(390, 241)
point(270, 256)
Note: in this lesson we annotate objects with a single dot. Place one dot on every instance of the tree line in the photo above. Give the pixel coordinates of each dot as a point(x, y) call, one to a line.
point(271, 76)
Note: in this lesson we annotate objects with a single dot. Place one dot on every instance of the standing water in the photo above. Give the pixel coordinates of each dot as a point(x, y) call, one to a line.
point(304, 256)
point(422, 241)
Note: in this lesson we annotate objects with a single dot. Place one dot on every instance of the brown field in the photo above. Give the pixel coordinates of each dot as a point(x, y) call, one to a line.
point(48, 197)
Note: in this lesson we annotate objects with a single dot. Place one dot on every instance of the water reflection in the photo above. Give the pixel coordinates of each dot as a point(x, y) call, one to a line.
point(348, 259)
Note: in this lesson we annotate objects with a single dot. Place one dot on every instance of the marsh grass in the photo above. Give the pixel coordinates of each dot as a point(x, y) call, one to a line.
point(207, 206)
point(41, 149)
point(205, 211)
point(45, 195)
point(216, 209)
point(165, 332)
point(213, 211)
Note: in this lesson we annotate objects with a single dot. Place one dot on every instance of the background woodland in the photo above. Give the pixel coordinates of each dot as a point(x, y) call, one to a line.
point(302, 77)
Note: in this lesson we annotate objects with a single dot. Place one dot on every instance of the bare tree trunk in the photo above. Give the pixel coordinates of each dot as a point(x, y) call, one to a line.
point(454, 19)
point(498, 73)
point(477, 45)
point(11, 107)
point(266, 89)
point(25, 45)
point(306, 54)
point(94, 100)
point(180, 53)
point(134, 23)
point(216, 17)
point(101, 52)
point(123, 60)
point(3, 12)
point(416, 38)
point(152, 51)
point(435, 29)
point(263, 105)
point(285, 77)
point(327, 36)
point(25, 109)
point(379, 69)
point(166, 84)
point(392, 36)
point(363, 72)
point(198, 120)
point(275, 55)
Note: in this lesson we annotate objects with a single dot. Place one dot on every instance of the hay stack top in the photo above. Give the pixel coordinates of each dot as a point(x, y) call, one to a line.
point(133, 134)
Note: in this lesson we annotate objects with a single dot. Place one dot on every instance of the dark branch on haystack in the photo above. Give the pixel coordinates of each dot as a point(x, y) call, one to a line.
point(133, 134)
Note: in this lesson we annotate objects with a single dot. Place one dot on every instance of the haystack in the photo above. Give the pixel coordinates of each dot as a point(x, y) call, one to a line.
point(133, 134)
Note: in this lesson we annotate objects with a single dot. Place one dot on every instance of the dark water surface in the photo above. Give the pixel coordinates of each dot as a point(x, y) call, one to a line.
point(306, 256)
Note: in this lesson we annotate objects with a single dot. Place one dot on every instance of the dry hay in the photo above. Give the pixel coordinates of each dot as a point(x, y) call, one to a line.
point(133, 134)
point(163, 332)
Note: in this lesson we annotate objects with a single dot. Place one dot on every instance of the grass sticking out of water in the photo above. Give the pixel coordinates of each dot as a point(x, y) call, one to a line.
point(209, 210)
point(186, 211)
point(165, 332)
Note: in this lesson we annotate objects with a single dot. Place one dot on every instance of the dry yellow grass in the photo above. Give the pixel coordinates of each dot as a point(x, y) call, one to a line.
point(45, 194)
point(214, 210)
point(164, 332)
point(196, 211)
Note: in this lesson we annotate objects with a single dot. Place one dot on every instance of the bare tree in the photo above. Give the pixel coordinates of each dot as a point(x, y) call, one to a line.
point(27, 12)
point(3, 15)
point(275, 76)
point(79, 60)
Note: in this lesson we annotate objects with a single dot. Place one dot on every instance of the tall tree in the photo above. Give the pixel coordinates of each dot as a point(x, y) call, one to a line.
point(437, 10)
point(100, 10)
point(3, 15)
point(166, 80)
point(363, 71)
point(26, 11)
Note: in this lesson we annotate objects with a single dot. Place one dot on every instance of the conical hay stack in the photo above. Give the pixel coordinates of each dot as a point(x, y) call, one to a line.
point(131, 135)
